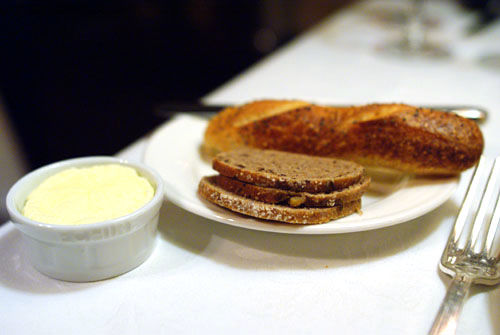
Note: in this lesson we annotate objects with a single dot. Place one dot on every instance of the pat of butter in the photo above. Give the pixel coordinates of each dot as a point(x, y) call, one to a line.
point(87, 195)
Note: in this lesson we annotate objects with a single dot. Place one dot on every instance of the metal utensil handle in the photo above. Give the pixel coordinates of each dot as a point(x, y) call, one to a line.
point(170, 109)
point(446, 321)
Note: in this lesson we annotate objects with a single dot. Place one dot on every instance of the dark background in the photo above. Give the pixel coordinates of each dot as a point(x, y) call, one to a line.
point(82, 78)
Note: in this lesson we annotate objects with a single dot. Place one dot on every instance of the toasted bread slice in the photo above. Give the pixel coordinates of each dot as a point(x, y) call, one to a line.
point(292, 198)
point(215, 194)
point(287, 171)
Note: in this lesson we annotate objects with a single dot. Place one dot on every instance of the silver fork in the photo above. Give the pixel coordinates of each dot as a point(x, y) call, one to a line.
point(474, 261)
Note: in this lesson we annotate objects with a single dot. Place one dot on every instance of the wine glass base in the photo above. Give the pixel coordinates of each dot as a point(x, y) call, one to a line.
point(491, 61)
point(405, 49)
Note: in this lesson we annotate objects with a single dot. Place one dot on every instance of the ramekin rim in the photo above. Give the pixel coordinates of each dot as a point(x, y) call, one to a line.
point(19, 218)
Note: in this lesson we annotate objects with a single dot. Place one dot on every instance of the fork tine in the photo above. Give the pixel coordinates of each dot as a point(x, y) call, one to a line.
point(485, 201)
point(467, 203)
point(495, 219)
point(464, 264)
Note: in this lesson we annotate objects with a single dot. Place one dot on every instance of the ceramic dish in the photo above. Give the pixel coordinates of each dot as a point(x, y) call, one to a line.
point(393, 198)
point(93, 251)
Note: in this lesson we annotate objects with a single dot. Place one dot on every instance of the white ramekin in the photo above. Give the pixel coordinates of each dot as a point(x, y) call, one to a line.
point(92, 251)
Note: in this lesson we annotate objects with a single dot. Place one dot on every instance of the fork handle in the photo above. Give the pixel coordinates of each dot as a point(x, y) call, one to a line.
point(447, 318)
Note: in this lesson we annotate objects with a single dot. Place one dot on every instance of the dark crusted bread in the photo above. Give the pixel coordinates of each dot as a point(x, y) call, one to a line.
point(396, 136)
point(292, 198)
point(213, 193)
point(287, 171)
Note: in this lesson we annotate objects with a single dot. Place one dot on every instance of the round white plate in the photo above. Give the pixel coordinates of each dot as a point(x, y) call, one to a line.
point(173, 151)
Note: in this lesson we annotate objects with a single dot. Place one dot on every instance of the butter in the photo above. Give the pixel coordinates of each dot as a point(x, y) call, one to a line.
point(87, 195)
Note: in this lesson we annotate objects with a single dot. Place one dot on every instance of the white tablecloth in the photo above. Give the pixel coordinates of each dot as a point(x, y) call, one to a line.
point(207, 277)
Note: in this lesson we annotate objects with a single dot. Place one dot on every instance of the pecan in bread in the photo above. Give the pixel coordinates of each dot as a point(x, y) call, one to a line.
point(272, 195)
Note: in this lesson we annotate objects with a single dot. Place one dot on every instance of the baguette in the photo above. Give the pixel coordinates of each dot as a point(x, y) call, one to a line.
point(398, 136)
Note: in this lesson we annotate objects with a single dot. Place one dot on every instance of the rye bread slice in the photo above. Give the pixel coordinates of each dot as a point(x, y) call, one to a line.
point(292, 198)
point(213, 193)
point(288, 171)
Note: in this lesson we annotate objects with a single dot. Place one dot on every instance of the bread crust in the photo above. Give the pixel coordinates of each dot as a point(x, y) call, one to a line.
point(213, 193)
point(292, 198)
point(397, 136)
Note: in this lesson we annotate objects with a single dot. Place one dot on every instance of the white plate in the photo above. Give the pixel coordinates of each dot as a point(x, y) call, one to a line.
point(173, 151)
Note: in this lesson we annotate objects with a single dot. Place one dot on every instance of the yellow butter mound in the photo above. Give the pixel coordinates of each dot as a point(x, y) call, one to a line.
point(87, 195)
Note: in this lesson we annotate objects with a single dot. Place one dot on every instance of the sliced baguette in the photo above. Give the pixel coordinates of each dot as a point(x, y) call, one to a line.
point(396, 136)
point(287, 171)
point(215, 194)
point(292, 198)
